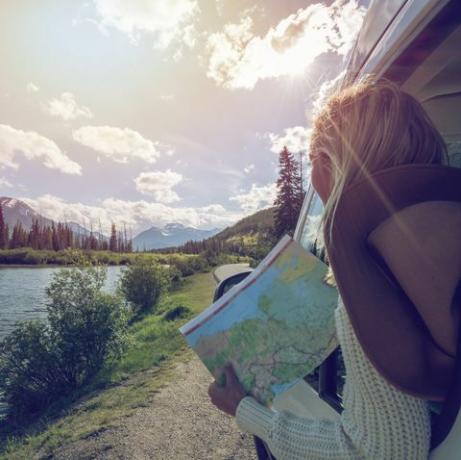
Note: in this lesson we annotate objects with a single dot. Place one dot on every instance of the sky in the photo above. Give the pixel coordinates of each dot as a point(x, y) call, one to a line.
point(146, 112)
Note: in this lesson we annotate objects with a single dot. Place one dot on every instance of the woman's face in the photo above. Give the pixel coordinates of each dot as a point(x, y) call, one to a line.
point(321, 175)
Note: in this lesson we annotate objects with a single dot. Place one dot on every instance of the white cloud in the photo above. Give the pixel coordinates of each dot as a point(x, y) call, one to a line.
point(257, 198)
point(5, 183)
point(167, 21)
point(119, 144)
point(249, 168)
point(32, 88)
point(295, 139)
point(190, 36)
point(137, 215)
point(66, 107)
point(167, 97)
point(238, 58)
point(33, 146)
point(159, 184)
point(220, 7)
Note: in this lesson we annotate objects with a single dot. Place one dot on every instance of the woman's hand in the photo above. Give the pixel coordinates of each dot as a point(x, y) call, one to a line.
point(227, 397)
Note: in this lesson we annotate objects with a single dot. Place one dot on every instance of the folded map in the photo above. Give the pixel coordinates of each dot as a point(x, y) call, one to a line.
point(275, 326)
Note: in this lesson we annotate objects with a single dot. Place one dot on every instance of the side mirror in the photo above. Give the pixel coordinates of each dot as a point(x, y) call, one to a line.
point(227, 283)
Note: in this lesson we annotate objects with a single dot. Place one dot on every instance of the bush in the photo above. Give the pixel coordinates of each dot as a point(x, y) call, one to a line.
point(175, 276)
point(143, 282)
point(183, 266)
point(264, 245)
point(176, 313)
point(42, 361)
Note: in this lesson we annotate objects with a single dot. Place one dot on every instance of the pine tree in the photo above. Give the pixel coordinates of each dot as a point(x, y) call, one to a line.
point(113, 246)
point(7, 236)
point(290, 195)
point(3, 230)
point(34, 235)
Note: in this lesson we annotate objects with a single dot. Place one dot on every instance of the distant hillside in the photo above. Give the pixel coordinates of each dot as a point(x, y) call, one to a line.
point(170, 235)
point(259, 223)
point(250, 236)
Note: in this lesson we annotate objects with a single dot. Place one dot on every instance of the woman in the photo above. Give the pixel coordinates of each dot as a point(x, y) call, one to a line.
point(361, 130)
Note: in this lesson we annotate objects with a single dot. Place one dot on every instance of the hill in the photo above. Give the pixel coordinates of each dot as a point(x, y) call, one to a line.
point(249, 227)
point(170, 235)
point(250, 236)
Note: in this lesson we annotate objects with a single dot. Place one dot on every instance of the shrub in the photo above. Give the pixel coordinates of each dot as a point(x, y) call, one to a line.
point(176, 313)
point(183, 266)
point(199, 263)
point(175, 276)
point(143, 282)
point(42, 361)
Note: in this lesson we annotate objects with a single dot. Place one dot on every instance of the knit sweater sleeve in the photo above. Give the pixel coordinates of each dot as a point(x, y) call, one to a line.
point(295, 438)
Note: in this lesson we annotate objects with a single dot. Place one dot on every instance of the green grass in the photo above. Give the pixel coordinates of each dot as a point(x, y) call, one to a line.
point(155, 346)
point(29, 256)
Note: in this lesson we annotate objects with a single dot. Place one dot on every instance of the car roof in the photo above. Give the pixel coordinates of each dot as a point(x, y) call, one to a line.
point(387, 29)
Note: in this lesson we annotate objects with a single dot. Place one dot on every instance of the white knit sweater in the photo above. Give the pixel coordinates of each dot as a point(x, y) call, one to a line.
point(379, 422)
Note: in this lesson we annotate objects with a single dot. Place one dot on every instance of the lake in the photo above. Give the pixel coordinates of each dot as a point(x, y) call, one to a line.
point(22, 292)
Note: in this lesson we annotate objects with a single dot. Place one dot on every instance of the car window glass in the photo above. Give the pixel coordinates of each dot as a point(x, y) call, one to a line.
point(311, 236)
point(454, 154)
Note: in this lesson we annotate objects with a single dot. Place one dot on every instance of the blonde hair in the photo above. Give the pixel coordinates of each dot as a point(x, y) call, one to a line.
point(371, 126)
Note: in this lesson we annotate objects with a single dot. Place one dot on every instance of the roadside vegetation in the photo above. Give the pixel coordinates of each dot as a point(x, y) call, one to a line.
point(41, 361)
point(187, 263)
point(152, 344)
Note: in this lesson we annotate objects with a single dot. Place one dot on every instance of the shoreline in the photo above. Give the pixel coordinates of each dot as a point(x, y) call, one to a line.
point(51, 265)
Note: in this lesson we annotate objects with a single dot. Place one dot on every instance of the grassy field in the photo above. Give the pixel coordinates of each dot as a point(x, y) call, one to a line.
point(155, 346)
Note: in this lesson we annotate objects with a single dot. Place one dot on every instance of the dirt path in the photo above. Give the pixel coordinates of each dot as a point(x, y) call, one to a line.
point(180, 423)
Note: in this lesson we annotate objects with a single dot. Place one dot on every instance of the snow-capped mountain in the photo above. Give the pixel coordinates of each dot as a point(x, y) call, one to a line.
point(173, 234)
point(16, 210)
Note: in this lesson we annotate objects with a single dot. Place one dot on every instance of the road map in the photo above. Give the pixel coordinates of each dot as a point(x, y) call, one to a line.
point(275, 326)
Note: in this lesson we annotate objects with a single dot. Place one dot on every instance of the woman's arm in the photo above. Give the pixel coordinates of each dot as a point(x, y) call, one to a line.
point(295, 438)
point(286, 435)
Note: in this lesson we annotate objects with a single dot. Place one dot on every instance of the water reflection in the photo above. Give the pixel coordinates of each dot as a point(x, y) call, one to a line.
point(22, 293)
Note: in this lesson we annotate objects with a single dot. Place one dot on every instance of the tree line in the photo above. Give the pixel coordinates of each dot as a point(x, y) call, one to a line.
point(286, 209)
point(56, 237)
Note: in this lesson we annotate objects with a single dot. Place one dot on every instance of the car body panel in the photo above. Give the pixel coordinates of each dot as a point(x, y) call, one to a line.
point(374, 53)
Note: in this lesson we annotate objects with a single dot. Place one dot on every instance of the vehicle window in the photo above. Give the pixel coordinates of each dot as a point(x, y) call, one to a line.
point(454, 154)
point(311, 235)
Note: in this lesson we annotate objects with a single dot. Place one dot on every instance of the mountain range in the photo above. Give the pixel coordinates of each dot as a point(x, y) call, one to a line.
point(172, 234)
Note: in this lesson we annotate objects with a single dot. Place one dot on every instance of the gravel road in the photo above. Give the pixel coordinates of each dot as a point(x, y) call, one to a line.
point(180, 423)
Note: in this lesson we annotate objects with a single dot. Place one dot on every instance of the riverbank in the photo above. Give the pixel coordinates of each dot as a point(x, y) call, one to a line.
point(186, 263)
point(33, 257)
point(121, 389)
